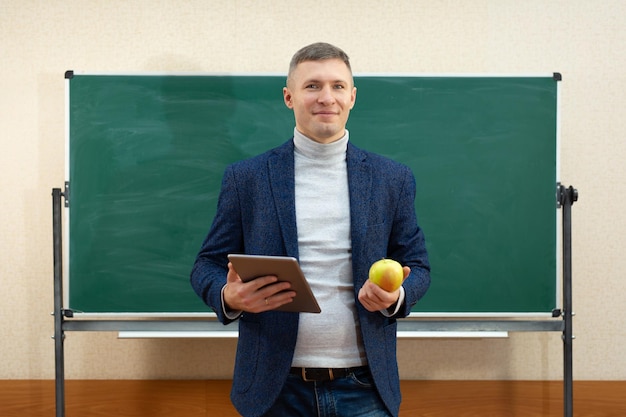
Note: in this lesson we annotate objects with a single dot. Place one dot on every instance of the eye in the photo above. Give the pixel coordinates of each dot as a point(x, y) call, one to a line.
point(311, 86)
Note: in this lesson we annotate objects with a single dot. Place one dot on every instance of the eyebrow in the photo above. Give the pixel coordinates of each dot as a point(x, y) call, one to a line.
point(315, 80)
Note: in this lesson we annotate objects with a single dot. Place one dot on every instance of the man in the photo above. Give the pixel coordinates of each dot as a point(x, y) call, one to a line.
point(337, 209)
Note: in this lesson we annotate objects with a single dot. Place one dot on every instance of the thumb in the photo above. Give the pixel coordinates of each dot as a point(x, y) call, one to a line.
point(406, 271)
point(232, 275)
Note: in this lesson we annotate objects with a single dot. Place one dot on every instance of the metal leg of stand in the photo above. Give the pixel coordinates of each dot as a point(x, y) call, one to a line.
point(568, 197)
point(58, 304)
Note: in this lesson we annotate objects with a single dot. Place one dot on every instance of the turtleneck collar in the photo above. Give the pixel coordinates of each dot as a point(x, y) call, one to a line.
point(314, 150)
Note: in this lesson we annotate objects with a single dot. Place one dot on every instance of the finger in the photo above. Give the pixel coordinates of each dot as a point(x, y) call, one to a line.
point(279, 299)
point(265, 283)
point(232, 276)
point(369, 305)
point(367, 299)
point(254, 284)
point(375, 293)
point(279, 291)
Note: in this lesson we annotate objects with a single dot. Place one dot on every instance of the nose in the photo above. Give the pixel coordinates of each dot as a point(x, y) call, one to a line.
point(326, 95)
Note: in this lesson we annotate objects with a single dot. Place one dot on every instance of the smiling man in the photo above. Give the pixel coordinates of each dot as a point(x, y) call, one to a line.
point(337, 209)
point(321, 95)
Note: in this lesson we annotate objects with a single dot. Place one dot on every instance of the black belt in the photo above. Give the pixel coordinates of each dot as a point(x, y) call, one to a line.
point(324, 374)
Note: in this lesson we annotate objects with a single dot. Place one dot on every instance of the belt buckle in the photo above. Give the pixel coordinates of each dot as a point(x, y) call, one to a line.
point(331, 376)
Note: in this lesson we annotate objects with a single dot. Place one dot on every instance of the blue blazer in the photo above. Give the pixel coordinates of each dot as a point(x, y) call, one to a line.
point(256, 215)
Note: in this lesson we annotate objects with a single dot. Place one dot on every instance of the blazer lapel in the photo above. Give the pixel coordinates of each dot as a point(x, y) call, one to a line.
point(282, 183)
point(360, 186)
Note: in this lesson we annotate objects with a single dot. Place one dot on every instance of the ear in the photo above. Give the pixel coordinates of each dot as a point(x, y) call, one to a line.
point(353, 98)
point(287, 97)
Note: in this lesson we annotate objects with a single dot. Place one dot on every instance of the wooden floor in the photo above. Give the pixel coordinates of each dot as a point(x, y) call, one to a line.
point(141, 398)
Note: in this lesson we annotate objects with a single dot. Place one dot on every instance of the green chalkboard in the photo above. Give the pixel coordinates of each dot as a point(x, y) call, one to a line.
point(147, 152)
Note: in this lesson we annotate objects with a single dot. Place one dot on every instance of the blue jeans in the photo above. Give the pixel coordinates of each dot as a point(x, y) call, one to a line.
point(352, 396)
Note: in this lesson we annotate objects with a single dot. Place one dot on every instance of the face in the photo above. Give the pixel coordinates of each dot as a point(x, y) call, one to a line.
point(321, 95)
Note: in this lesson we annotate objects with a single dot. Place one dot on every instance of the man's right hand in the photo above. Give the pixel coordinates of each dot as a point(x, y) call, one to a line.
point(258, 295)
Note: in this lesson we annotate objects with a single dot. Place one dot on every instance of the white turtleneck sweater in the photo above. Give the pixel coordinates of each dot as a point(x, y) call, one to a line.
point(333, 337)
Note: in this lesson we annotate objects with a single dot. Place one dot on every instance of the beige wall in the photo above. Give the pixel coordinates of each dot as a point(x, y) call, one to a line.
point(584, 40)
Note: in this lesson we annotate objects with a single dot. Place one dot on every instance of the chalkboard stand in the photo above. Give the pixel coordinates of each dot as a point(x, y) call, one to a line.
point(567, 197)
point(64, 319)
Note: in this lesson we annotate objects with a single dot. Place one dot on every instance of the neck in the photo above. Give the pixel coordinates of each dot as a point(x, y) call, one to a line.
point(316, 150)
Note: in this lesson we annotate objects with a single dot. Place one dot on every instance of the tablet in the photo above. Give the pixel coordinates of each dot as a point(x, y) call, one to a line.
point(286, 268)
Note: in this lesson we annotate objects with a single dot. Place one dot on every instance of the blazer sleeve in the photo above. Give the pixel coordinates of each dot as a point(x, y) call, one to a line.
point(208, 275)
point(407, 244)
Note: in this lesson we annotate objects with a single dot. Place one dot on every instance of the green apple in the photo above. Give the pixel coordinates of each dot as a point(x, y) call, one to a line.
point(387, 274)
